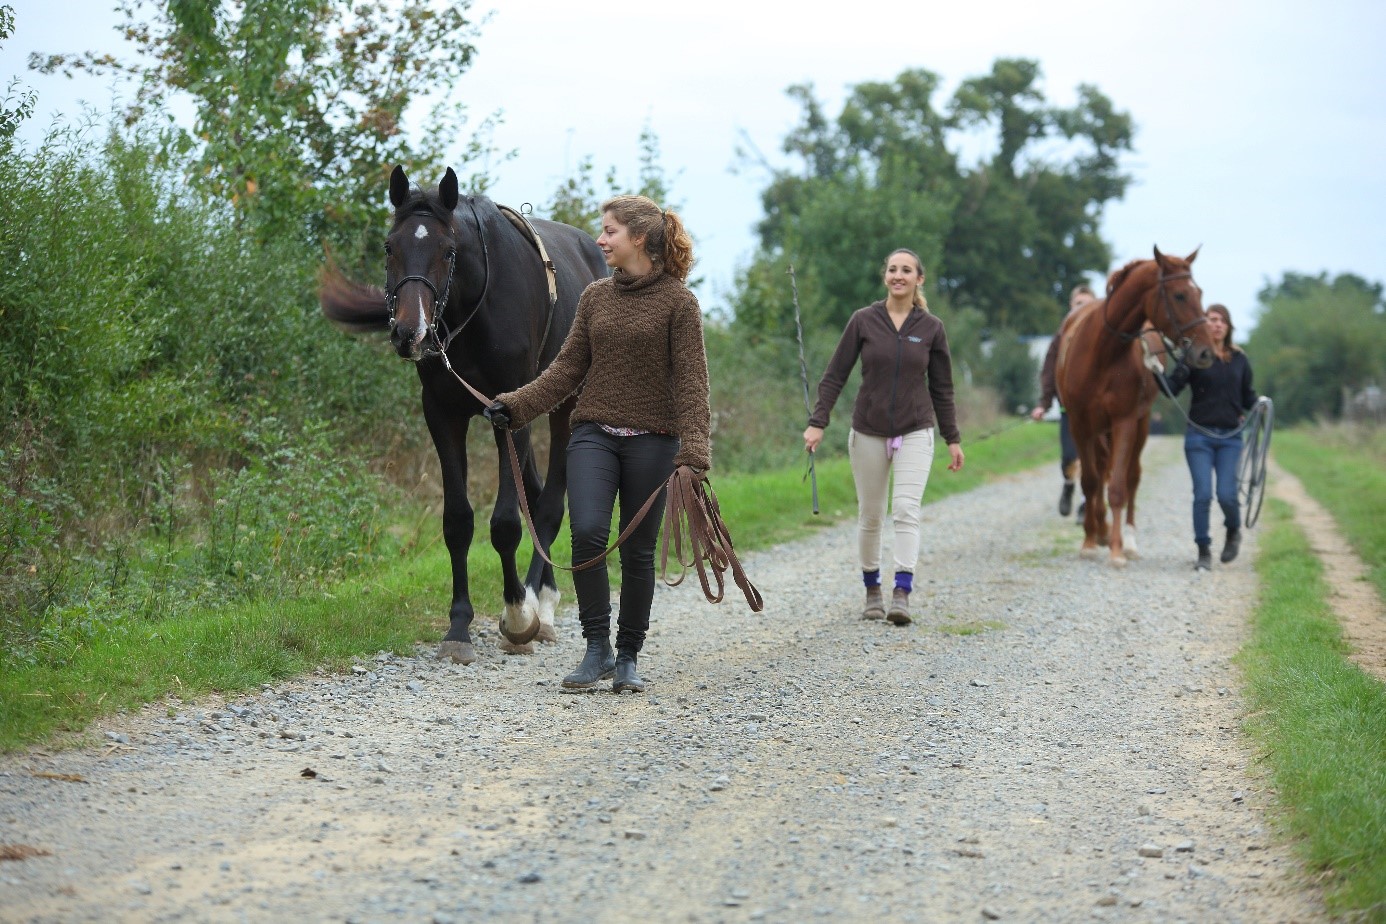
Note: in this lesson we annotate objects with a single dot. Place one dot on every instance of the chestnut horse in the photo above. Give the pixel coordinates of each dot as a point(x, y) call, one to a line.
point(1107, 390)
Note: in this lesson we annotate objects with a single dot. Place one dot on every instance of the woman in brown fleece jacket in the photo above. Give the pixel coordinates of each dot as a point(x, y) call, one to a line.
point(906, 389)
point(636, 352)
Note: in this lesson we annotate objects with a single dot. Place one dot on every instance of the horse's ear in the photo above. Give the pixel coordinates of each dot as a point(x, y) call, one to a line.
point(1159, 257)
point(447, 190)
point(1190, 257)
point(399, 186)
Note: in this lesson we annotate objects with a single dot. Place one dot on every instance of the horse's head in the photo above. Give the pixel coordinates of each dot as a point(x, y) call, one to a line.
point(1175, 308)
point(420, 263)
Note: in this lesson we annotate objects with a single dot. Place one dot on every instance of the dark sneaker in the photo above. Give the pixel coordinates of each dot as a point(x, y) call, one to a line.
point(1205, 559)
point(1066, 499)
point(1233, 545)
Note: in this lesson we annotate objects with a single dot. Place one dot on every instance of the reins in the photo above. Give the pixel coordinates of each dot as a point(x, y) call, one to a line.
point(691, 511)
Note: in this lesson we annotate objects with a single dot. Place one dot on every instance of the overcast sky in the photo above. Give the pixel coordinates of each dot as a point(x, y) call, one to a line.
point(1260, 126)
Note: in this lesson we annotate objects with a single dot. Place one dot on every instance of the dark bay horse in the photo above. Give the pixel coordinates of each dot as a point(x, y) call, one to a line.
point(1107, 389)
point(462, 278)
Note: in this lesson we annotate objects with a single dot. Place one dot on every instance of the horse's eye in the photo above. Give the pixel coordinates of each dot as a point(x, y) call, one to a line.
point(1179, 296)
point(389, 252)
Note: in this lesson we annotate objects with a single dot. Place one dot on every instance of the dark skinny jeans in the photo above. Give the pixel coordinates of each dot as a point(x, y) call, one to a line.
point(602, 467)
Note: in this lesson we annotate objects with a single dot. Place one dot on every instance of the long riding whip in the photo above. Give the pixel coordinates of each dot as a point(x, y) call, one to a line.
point(803, 375)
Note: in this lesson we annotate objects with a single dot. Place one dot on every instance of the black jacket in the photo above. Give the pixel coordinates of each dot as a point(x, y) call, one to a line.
point(1222, 393)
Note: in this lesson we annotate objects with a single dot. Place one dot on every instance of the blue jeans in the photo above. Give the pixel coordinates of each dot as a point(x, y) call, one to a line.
point(1206, 455)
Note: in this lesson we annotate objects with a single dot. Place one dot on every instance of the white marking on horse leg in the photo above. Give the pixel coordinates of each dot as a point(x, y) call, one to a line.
point(420, 232)
point(1128, 542)
point(517, 619)
point(548, 606)
point(548, 603)
point(1088, 551)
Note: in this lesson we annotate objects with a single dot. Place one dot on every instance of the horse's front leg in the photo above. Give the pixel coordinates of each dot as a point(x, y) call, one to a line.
point(517, 625)
point(1119, 487)
point(1093, 462)
point(449, 431)
point(542, 589)
point(1133, 481)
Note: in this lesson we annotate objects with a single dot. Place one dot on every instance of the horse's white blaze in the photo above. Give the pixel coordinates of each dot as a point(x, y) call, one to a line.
point(421, 232)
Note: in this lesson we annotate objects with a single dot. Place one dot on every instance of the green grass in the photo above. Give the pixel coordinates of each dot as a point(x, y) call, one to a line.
point(970, 627)
point(233, 649)
point(1344, 469)
point(1321, 722)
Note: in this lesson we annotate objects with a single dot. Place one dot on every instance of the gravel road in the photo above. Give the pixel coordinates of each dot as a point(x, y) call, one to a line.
point(1052, 740)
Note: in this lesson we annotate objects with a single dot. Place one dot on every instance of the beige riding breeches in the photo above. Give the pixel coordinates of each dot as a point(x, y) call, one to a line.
point(872, 470)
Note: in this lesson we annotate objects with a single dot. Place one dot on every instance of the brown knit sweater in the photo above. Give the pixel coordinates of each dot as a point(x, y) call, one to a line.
point(636, 351)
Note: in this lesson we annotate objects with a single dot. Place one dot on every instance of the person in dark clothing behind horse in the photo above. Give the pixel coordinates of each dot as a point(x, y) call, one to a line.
point(1222, 394)
point(636, 351)
point(1068, 452)
point(906, 388)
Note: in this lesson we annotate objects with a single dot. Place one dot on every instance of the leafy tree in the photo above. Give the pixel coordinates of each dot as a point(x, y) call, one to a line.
point(578, 203)
point(299, 103)
point(1007, 238)
point(1314, 337)
point(20, 98)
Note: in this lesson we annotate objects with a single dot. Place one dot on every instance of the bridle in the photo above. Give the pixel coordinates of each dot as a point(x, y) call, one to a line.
point(1181, 330)
point(440, 300)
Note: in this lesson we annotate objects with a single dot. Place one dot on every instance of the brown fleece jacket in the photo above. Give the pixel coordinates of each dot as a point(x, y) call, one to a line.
point(636, 351)
point(906, 375)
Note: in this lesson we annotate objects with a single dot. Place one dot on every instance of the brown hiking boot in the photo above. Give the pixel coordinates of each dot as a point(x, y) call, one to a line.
point(875, 604)
point(899, 607)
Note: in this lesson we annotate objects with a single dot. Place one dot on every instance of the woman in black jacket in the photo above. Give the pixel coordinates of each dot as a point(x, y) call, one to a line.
point(1222, 394)
point(906, 388)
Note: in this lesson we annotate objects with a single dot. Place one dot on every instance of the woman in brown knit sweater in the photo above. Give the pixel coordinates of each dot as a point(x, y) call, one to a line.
point(636, 352)
point(906, 390)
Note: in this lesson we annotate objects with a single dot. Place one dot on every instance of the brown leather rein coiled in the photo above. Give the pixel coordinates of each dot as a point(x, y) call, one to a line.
point(692, 519)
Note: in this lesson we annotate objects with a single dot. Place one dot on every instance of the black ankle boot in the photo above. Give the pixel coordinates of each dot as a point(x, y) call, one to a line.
point(626, 677)
point(1066, 499)
point(597, 664)
point(1232, 546)
point(1205, 558)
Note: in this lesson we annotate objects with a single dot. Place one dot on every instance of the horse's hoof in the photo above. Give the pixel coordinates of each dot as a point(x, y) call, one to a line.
point(524, 635)
point(547, 633)
point(1117, 561)
point(457, 652)
point(511, 648)
point(1088, 552)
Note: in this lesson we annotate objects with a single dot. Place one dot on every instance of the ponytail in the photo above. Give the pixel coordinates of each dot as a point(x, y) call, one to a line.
point(667, 242)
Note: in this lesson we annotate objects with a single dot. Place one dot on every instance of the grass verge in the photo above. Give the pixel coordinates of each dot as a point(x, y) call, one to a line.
point(1321, 722)
point(1344, 468)
point(233, 649)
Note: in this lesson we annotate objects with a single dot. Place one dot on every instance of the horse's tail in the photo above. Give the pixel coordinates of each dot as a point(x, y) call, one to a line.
point(352, 305)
